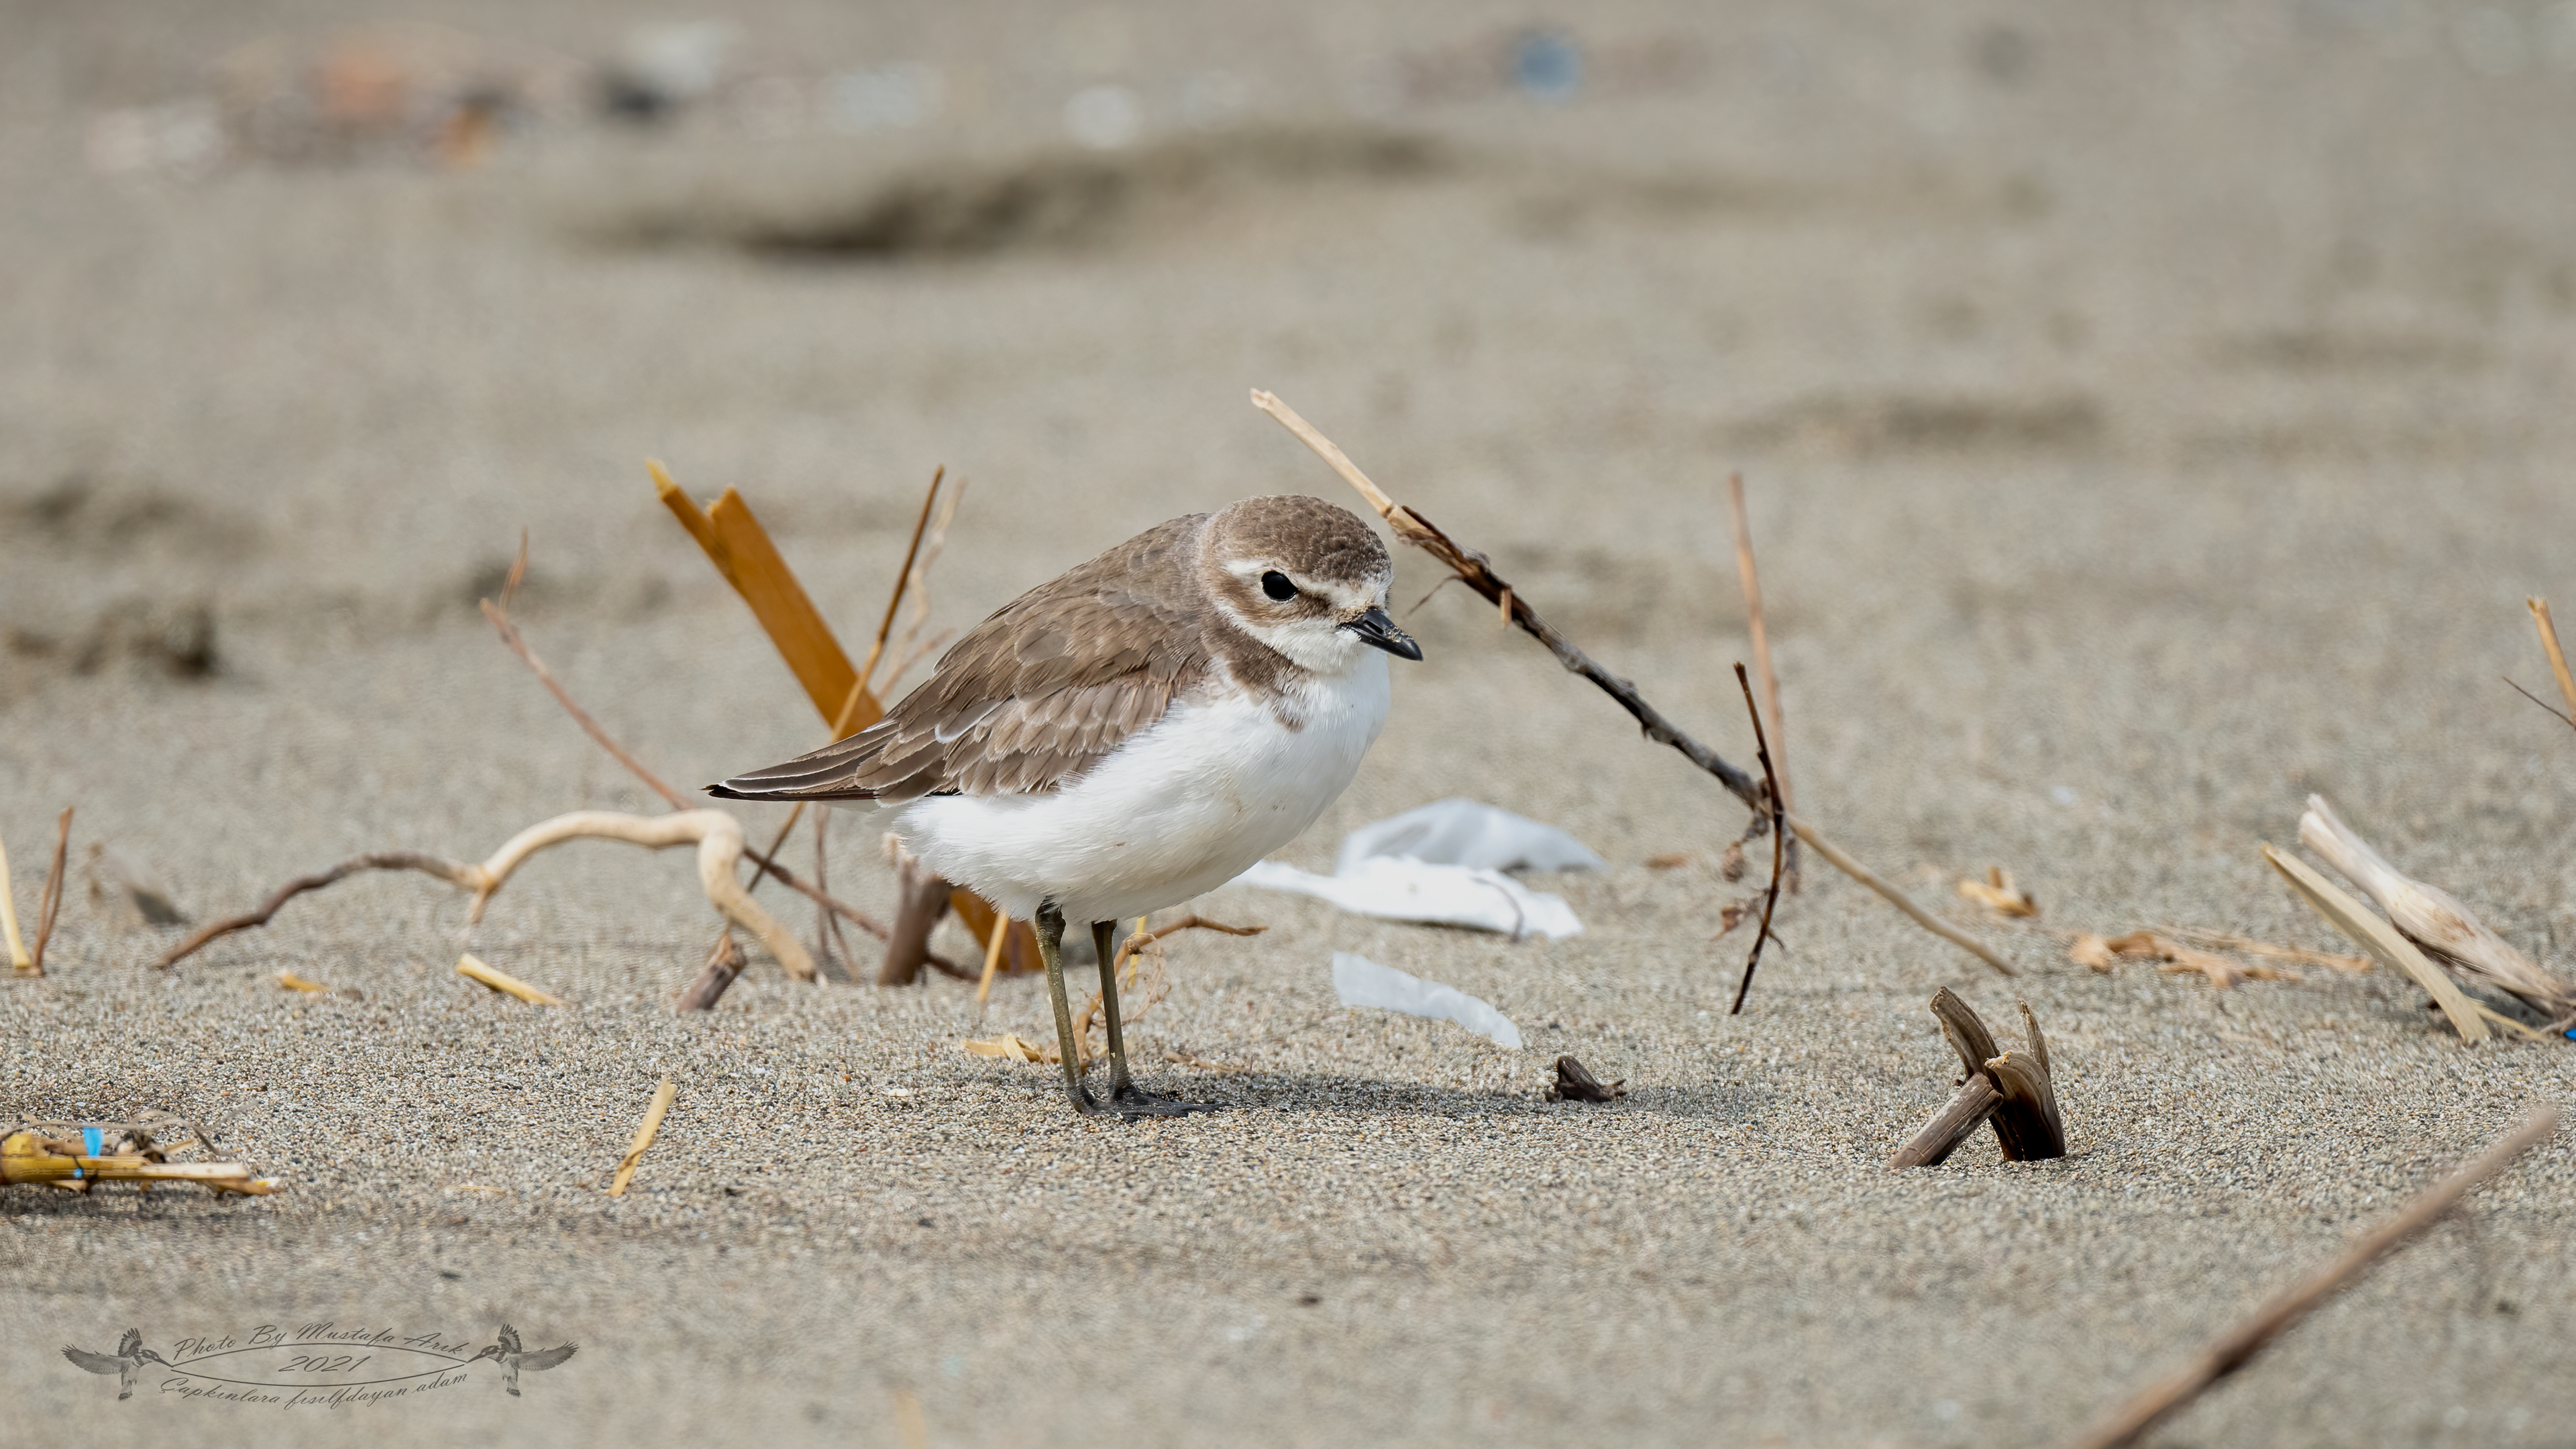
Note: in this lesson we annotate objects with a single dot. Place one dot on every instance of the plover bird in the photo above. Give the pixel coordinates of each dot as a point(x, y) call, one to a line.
point(1133, 733)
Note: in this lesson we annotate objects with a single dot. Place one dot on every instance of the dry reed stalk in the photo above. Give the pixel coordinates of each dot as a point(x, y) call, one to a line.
point(2434, 919)
point(288, 980)
point(1477, 573)
point(1761, 634)
point(52, 900)
point(894, 602)
point(499, 614)
point(19, 961)
point(1779, 841)
point(992, 960)
point(472, 968)
point(2230, 941)
point(907, 652)
point(2557, 656)
point(626, 1165)
point(2381, 940)
point(741, 550)
point(2236, 1347)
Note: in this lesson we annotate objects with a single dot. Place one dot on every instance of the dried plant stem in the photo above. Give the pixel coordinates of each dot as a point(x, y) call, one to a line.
point(472, 968)
point(1956, 1122)
point(2557, 657)
point(717, 835)
point(1476, 572)
point(1752, 577)
point(2234, 1348)
point(2381, 940)
point(52, 900)
point(19, 960)
point(662, 1096)
point(894, 602)
point(455, 873)
point(499, 614)
point(1779, 841)
point(992, 963)
point(1139, 939)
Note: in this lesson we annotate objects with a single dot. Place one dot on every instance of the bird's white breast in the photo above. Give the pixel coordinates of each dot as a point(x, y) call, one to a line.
point(1182, 807)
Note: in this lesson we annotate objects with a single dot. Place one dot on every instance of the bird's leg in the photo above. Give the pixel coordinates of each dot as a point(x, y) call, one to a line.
point(1125, 1097)
point(1050, 924)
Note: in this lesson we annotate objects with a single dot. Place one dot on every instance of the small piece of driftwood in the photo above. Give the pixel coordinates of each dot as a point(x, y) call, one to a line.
point(472, 968)
point(1576, 1084)
point(2233, 1349)
point(1477, 573)
point(2014, 1091)
point(2434, 919)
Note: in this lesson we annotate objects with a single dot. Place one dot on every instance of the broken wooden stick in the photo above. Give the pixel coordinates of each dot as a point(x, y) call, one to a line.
point(2434, 919)
point(2236, 1347)
point(717, 835)
point(1475, 571)
point(2018, 1097)
point(1779, 841)
point(52, 900)
point(471, 967)
point(662, 1096)
point(2381, 940)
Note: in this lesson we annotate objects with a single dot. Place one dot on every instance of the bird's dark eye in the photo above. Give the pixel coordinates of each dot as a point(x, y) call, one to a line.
point(1276, 585)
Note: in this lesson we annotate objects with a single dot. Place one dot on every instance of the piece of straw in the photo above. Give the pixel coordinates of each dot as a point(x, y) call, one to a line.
point(2233, 1349)
point(894, 603)
point(626, 1165)
point(19, 960)
point(2557, 656)
point(52, 899)
point(2380, 939)
point(1477, 573)
point(908, 1422)
point(470, 965)
point(992, 961)
point(292, 982)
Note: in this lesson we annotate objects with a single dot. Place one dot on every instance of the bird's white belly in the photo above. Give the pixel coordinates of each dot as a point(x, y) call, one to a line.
point(1181, 808)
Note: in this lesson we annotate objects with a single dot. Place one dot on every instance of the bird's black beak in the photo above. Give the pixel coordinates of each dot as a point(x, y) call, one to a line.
point(1374, 627)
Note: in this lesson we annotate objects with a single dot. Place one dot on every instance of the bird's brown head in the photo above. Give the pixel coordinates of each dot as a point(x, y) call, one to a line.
point(1304, 577)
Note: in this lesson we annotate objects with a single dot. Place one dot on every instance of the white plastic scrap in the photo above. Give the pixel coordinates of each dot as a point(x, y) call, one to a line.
point(1469, 833)
point(1362, 982)
point(1399, 889)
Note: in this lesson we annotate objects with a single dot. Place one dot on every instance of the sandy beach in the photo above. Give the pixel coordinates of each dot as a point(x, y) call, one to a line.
point(2150, 416)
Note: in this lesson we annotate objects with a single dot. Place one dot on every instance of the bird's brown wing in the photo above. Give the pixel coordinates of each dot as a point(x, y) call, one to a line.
point(1034, 696)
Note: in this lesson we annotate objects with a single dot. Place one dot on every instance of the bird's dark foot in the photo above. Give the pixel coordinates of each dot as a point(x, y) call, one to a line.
point(1132, 1101)
point(1083, 1102)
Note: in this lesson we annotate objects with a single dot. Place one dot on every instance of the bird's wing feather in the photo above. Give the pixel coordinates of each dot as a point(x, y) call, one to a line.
point(547, 1359)
point(1034, 696)
point(97, 1363)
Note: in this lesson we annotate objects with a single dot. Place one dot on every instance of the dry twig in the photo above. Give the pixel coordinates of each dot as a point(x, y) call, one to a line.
point(2557, 656)
point(471, 967)
point(1754, 625)
point(2016, 1092)
point(717, 835)
point(2233, 1349)
point(1477, 573)
point(1779, 841)
point(52, 900)
point(499, 614)
point(626, 1165)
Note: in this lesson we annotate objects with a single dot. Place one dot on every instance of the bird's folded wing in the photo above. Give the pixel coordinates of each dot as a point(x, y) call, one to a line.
point(1034, 696)
point(97, 1363)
